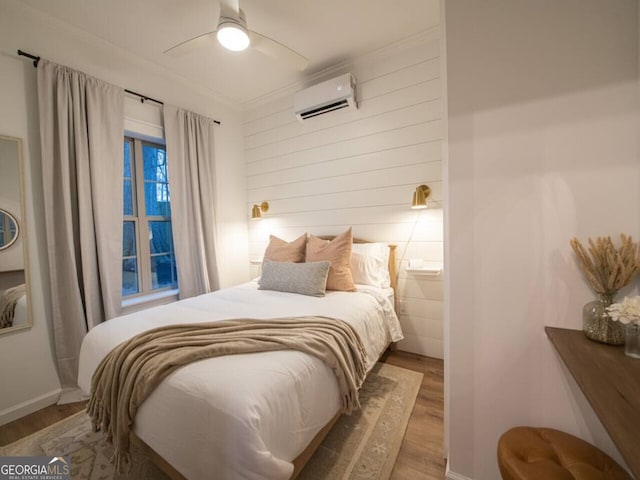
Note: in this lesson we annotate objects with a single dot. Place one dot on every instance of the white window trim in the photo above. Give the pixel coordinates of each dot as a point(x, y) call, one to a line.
point(141, 302)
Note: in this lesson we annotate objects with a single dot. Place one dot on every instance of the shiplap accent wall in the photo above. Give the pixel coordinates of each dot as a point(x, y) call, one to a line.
point(359, 168)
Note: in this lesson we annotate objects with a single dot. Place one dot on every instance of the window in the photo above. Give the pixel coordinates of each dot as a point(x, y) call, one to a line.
point(148, 259)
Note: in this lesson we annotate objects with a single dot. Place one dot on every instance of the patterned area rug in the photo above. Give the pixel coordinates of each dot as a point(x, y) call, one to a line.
point(362, 446)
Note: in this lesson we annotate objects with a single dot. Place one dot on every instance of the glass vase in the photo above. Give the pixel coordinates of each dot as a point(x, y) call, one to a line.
point(632, 340)
point(598, 326)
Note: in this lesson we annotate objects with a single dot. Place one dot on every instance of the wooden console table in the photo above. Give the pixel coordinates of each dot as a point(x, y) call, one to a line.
point(611, 382)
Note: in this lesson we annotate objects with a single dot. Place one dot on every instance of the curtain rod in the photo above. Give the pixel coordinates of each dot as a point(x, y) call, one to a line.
point(36, 60)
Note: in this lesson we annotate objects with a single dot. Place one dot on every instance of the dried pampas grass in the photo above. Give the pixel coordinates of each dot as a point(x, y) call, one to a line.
point(606, 267)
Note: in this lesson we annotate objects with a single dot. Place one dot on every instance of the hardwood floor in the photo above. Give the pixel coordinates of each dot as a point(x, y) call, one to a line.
point(421, 454)
point(25, 426)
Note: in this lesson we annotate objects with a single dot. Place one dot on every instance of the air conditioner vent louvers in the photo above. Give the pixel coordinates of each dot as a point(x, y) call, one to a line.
point(325, 97)
point(325, 109)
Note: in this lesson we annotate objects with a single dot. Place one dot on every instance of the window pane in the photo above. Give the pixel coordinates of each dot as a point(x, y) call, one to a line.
point(129, 277)
point(155, 163)
point(129, 239)
point(160, 238)
point(128, 197)
point(127, 159)
point(156, 188)
point(156, 197)
point(163, 271)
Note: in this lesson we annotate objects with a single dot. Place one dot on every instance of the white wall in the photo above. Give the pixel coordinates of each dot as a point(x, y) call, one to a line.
point(359, 168)
point(30, 380)
point(22, 27)
point(11, 258)
point(543, 146)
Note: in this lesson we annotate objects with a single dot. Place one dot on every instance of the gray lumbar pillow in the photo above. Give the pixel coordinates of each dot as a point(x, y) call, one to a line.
point(304, 278)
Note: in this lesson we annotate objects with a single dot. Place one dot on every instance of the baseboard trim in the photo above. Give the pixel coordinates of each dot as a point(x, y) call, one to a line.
point(449, 475)
point(455, 476)
point(25, 408)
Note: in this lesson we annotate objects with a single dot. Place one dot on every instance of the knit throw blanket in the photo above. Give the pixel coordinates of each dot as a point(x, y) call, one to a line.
point(133, 369)
point(9, 302)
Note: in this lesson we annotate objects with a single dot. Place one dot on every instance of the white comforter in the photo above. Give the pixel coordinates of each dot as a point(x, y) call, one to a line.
point(243, 416)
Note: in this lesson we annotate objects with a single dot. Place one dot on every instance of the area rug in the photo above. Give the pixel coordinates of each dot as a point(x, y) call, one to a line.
point(360, 446)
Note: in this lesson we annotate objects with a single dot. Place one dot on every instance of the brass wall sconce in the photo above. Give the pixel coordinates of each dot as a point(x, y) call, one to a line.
point(420, 197)
point(258, 210)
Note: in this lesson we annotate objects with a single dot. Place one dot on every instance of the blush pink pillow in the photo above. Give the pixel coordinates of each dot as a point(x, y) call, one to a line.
point(338, 252)
point(279, 250)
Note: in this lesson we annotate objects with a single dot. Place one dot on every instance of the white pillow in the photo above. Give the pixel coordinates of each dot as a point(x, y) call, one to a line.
point(370, 264)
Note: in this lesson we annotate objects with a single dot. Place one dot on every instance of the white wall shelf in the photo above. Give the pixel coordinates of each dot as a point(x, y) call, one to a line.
point(430, 269)
point(427, 271)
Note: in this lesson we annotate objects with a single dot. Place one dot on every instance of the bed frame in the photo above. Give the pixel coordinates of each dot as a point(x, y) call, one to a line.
point(301, 460)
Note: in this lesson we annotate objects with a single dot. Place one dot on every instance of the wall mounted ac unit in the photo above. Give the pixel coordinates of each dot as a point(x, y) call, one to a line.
point(325, 97)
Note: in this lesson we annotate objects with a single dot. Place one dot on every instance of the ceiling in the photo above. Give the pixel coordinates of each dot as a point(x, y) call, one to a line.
point(325, 31)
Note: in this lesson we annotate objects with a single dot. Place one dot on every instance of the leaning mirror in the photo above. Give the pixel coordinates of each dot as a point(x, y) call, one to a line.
point(14, 305)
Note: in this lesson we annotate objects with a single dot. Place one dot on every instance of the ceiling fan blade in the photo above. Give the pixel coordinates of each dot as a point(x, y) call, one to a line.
point(277, 50)
point(192, 44)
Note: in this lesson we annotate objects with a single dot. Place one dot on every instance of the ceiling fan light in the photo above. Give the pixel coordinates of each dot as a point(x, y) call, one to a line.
point(232, 36)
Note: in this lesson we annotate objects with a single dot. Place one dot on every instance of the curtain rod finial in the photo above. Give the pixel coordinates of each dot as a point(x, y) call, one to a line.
point(35, 59)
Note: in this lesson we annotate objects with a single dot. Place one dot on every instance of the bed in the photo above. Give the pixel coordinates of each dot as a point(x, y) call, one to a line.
point(249, 416)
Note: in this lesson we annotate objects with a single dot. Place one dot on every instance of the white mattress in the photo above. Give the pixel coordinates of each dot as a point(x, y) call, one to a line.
point(243, 416)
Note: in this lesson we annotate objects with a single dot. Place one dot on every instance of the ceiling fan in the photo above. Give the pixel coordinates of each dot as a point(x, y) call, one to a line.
point(233, 34)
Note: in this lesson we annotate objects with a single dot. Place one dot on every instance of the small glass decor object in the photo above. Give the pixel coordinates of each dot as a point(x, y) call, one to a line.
point(627, 313)
point(598, 325)
point(632, 341)
point(607, 269)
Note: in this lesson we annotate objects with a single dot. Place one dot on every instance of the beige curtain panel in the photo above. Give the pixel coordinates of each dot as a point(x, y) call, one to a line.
point(81, 134)
point(190, 154)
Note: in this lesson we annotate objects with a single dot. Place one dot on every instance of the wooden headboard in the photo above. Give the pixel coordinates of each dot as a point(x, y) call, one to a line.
point(393, 273)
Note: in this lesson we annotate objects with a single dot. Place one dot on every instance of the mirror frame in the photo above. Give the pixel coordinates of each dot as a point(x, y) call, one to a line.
point(23, 230)
point(15, 222)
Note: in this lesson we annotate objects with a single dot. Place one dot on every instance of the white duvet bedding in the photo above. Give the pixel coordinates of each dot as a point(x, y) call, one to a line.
point(243, 416)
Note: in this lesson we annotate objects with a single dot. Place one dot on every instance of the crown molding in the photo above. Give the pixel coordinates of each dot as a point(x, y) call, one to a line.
point(424, 37)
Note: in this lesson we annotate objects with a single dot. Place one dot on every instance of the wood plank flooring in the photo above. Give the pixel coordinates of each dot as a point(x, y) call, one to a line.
point(25, 426)
point(421, 454)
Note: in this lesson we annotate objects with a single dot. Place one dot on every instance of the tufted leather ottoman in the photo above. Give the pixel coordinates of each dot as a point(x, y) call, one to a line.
point(526, 453)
